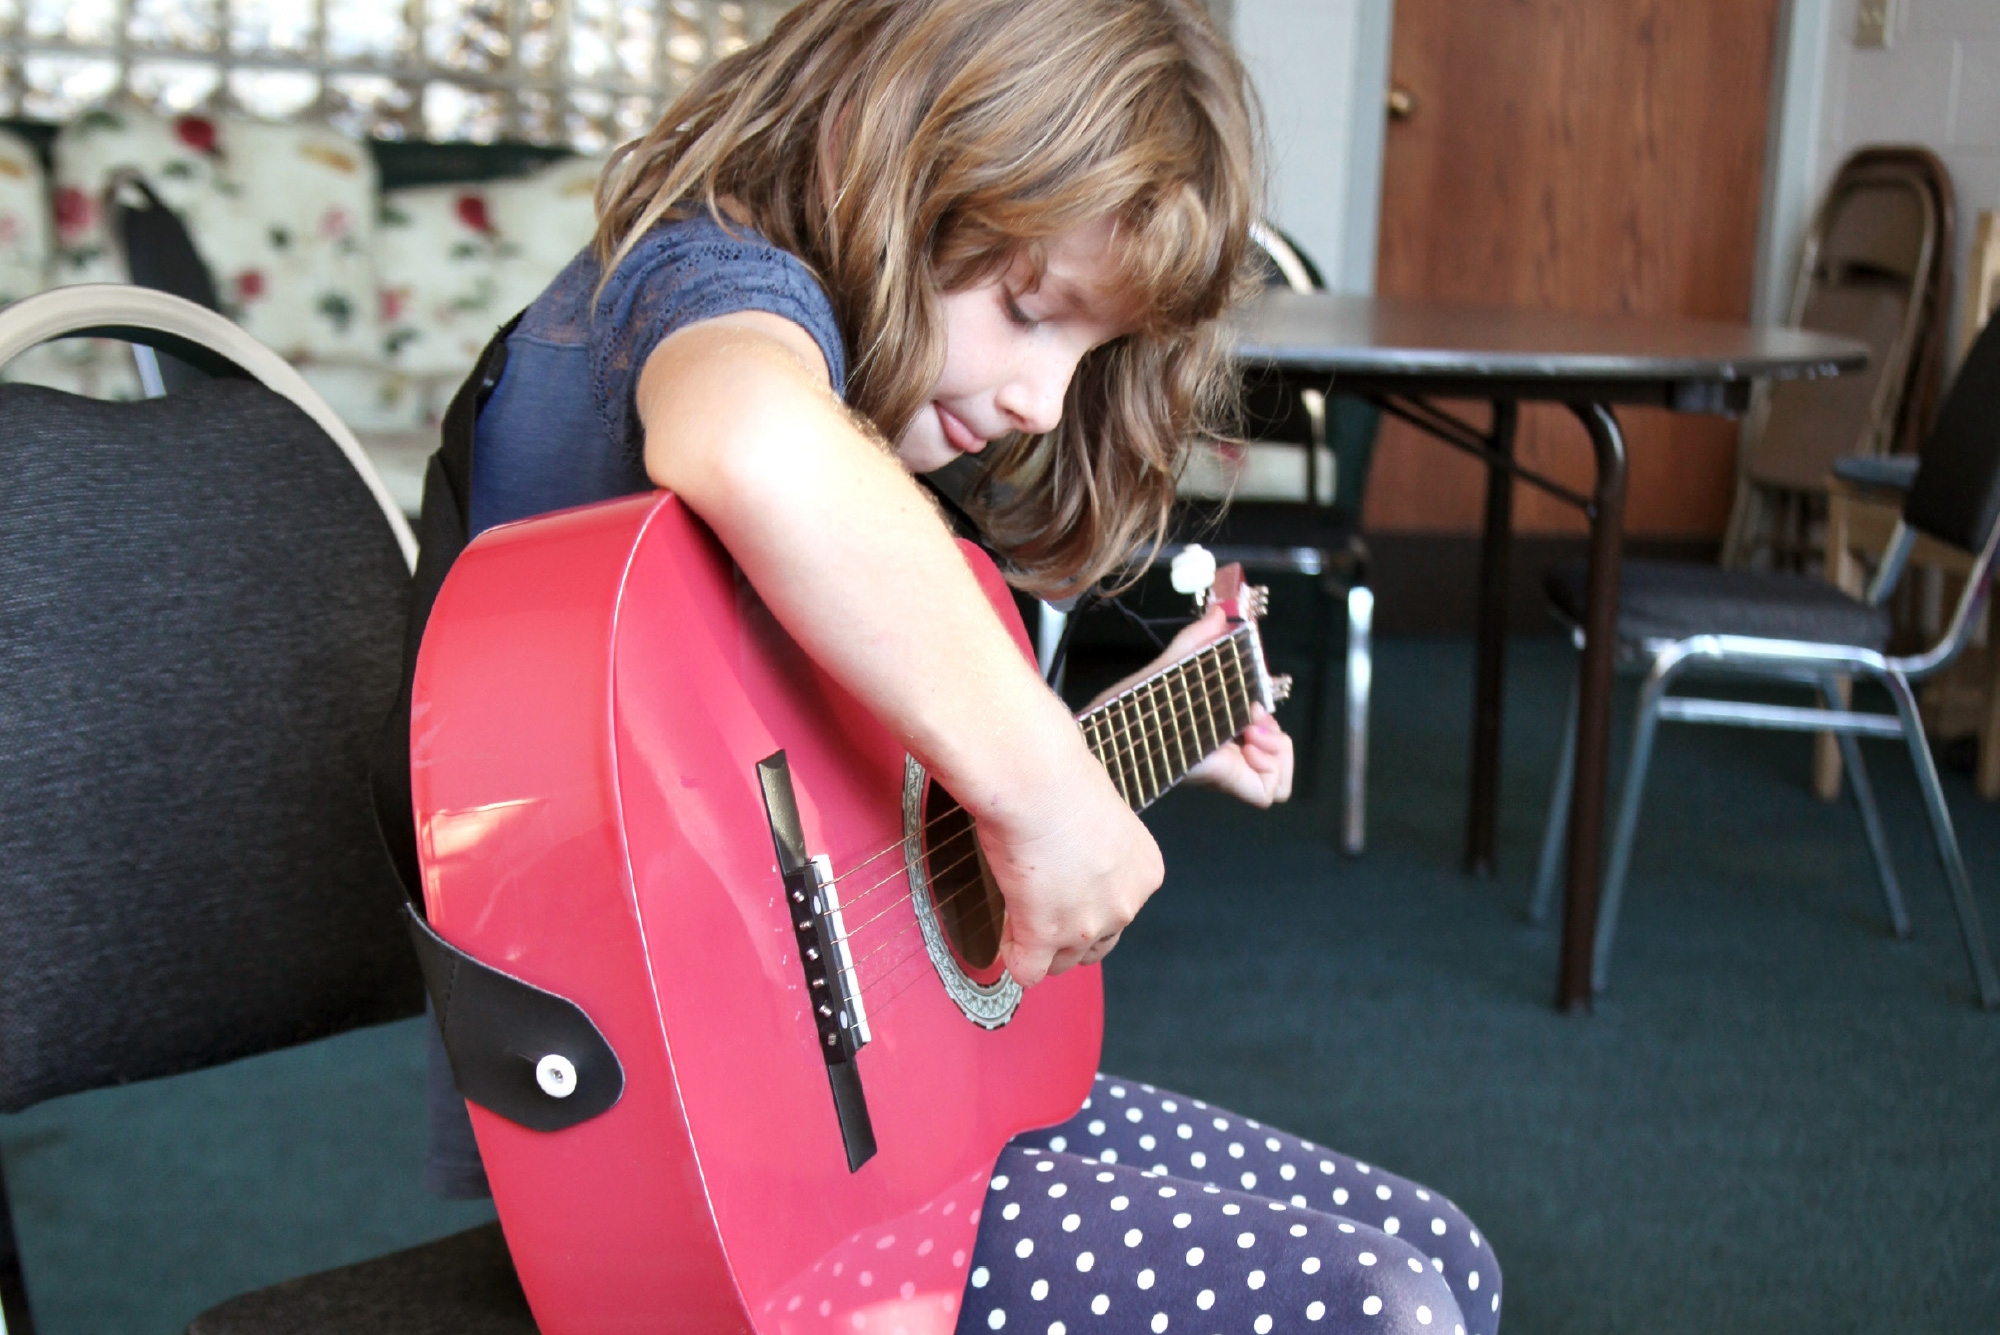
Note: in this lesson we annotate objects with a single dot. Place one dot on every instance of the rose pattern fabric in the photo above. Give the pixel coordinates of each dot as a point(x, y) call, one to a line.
point(382, 301)
point(456, 261)
point(24, 220)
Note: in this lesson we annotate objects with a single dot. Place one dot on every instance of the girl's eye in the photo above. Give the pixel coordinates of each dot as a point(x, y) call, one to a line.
point(1016, 314)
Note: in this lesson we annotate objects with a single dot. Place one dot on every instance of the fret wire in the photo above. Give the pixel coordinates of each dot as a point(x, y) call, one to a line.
point(1207, 705)
point(1163, 763)
point(1148, 773)
point(1108, 753)
point(1227, 682)
point(1242, 681)
point(1135, 789)
point(1226, 728)
point(1174, 718)
point(1169, 686)
point(1147, 732)
point(1135, 792)
point(1089, 724)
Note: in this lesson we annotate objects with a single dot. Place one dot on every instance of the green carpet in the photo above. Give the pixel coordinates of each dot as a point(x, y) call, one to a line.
point(1778, 1120)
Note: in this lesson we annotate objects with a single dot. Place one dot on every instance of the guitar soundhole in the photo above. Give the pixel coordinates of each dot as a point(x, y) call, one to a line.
point(967, 901)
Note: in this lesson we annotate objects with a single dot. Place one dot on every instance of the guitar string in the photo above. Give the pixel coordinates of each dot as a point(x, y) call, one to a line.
point(1203, 659)
point(969, 829)
point(853, 971)
point(959, 861)
point(1114, 724)
point(904, 929)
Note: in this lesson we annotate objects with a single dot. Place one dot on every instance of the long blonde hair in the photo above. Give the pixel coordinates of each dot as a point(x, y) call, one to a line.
point(903, 149)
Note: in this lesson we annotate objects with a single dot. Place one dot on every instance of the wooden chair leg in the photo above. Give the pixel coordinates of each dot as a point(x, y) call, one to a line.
point(1847, 574)
point(1827, 769)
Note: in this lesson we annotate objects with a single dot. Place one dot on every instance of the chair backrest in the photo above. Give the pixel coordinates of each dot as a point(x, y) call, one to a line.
point(1276, 409)
point(1870, 270)
point(1956, 495)
point(1982, 280)
point(201, 612)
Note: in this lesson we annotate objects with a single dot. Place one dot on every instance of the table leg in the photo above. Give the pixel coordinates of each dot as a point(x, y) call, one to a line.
point(1593, 717)
point(1489, 677)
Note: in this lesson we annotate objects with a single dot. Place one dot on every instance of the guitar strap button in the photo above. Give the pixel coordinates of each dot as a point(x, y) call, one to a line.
point(556, 1075)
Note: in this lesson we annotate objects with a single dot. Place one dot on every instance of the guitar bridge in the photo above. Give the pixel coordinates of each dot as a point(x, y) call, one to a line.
point(812, 902)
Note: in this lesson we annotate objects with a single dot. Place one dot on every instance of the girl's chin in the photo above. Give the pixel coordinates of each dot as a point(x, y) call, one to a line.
point(924, 451)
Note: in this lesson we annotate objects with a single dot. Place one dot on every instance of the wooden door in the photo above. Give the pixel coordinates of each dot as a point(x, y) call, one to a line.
point(1578, 155)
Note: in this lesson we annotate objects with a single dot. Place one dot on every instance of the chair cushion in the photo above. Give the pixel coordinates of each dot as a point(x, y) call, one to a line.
point(1671, 600)
point(459, 1285)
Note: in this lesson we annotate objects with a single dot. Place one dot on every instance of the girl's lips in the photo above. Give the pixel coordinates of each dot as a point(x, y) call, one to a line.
point(957, 434)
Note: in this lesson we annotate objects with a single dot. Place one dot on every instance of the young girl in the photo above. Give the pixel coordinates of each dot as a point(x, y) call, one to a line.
point(895, 234)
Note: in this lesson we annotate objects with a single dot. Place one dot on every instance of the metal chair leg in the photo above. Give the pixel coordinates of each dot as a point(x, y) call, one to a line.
point(1947, 843)
point(1628, 823)
point(1308, 729)
point(1555, 831)
point(15, 1318)
point(1049, 623)
point(1360, 684)
point(1833, 691)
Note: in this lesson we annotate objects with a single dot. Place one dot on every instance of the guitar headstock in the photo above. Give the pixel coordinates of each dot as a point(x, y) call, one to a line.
point(1194, 571)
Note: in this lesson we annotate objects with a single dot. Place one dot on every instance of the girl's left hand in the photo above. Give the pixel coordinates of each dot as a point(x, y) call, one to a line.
point(1255, 767)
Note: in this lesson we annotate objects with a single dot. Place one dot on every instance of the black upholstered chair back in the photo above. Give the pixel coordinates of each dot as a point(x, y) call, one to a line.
point(201, 609)
point(1956, 495)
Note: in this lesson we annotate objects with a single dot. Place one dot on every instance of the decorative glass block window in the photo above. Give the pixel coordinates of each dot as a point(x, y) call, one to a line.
point(586, 73)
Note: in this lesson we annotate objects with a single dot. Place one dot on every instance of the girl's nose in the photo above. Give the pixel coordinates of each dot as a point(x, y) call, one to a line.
point(1033, 398)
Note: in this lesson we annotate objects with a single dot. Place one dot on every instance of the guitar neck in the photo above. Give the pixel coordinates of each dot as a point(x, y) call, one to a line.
point(1150, 735)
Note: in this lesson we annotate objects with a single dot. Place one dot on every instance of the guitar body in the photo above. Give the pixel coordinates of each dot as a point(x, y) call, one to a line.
point(593, 696)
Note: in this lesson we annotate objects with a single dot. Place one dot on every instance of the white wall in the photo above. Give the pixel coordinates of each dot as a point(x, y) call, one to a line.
point(1938, 85)
point(1321, 69)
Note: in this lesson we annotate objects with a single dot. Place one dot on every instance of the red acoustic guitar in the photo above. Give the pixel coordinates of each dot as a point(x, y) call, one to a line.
point(633, 790)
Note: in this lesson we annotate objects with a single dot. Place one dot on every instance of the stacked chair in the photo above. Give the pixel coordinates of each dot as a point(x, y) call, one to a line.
point(204, 597)
point(1687, 623)
point(1864, 500)
point(1876, 267)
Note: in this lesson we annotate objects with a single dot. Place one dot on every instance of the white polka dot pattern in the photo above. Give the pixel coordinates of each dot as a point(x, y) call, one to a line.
point(1121, 1223)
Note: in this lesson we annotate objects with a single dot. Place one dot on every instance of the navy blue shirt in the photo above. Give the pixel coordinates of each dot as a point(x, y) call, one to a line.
point(562, 427)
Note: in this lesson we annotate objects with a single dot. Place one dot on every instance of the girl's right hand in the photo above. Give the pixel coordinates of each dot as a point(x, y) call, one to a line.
point(1074, 867)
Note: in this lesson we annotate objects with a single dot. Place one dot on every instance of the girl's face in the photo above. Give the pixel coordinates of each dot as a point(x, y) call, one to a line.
point(1011, 346)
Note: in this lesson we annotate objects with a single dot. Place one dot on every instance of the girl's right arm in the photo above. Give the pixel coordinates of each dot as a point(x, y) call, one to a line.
point(852, 559)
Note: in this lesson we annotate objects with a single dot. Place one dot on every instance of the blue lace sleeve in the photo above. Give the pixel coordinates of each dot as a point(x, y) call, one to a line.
point(681, 273)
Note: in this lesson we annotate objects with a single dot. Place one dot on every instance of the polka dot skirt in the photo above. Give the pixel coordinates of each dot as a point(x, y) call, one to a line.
point(1150, 1211)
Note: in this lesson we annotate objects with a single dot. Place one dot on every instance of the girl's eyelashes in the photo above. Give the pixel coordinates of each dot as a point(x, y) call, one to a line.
point(1014, 312)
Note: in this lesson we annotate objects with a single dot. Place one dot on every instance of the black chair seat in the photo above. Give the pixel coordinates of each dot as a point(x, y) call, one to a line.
point(459, 1285)
point(1671, 600)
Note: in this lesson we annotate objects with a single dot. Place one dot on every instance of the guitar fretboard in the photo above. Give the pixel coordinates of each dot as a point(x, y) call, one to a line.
point(1152, 734)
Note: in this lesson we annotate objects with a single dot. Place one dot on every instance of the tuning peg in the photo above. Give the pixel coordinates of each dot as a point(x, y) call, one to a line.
point(1281, 688)
point(1260, 599)
point(1193, 571)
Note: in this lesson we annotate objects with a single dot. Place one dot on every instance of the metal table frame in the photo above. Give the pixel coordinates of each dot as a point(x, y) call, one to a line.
point(1406, 356)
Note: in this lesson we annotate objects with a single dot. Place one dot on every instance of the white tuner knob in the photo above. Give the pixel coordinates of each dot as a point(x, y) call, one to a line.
point(1193, 569)
point(556, 1075)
